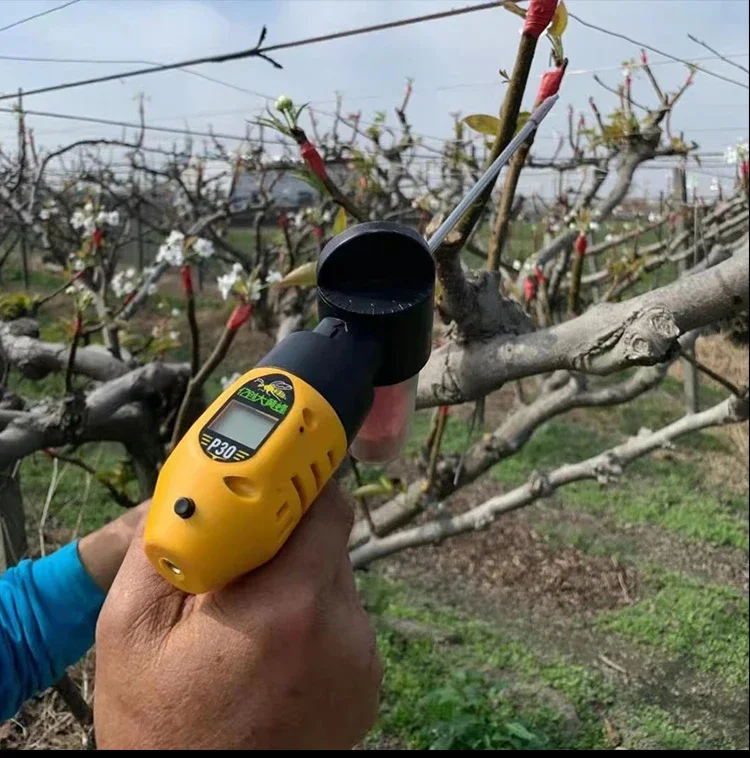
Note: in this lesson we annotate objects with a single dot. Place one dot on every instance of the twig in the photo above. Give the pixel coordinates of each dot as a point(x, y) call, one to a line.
point(75, 702)
point(734, 389)
point(116, 495)
point(72, 354)
point(372, 529)
point(436, 443)
point(196, 383)
point(603, 658)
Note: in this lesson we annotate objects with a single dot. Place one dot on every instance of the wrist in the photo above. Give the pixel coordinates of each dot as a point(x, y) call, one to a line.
point(101, 553)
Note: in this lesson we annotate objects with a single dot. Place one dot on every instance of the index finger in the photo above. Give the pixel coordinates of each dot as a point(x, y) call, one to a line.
point(314, 550)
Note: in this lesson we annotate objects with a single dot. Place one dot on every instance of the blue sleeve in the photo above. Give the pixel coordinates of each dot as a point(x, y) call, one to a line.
point(48, 613)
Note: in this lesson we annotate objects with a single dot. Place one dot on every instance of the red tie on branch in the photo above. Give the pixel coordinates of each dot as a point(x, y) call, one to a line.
point(283, 223)
point(187, 280)
point(444, 411)
point(529, 289)
point(540, 277)
point(539, 16)
point(582, 244)
point(239, 316)
point(97, 238)
point(311, 157)
point(318, 232)
point(744, 169)
point(550, 83)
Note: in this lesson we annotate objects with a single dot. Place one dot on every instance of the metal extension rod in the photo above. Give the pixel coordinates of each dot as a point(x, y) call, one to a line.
point(489, 175)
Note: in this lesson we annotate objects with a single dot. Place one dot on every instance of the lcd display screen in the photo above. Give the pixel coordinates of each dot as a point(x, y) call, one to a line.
point(244, 425)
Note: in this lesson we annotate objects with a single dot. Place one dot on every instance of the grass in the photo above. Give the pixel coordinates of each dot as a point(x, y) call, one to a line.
point(704, 625)
point(80, 503)
point(670, 494)
point(459, 683)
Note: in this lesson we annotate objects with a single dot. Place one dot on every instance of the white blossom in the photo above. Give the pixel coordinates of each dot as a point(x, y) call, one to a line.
point(203, 248)
point(78, 264)
point(82, 294)
point(44, 214)
point(174, 336)
point(609, 238)
point(156, 331)
point(83, 221)
point(175, 312)
point(274, 277)
point(326, 217)
point(111, 218)
point(593, 225)
point(715, 186)
point(653, 217)
point(123, 282)
point(226, 282)
point(516, 265)
point(171, 251)
point(254, 288)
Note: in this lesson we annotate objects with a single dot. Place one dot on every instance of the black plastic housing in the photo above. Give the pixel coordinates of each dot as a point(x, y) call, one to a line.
point(379, 277)
point(338, 362)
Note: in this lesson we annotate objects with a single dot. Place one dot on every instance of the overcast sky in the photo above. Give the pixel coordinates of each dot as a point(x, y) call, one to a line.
point(454, 63)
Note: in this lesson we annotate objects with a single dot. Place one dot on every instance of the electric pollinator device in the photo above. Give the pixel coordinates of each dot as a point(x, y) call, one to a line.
point(243, 476)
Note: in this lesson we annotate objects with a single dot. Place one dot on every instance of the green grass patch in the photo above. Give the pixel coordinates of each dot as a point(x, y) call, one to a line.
point(75, 503)
point(670, 496)
point(704, 625)
point(651, 727)
point(464, 694)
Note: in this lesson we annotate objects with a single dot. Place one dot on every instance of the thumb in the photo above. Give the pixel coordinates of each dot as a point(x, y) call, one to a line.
point(139, 595)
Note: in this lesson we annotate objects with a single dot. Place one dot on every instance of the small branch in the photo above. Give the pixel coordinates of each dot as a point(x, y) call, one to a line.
point(437, 441)
point(362, 500)
point(72, 354)
point(603, 468)
point(737, 391)
point(196, 383)
point(121, 499)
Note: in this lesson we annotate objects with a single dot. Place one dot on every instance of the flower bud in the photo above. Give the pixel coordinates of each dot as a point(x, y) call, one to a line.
point(284, 103)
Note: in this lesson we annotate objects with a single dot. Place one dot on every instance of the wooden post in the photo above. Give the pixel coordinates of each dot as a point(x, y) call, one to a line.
point(690, 372)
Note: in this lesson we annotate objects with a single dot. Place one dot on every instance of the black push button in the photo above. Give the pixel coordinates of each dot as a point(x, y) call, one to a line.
point(184, 507)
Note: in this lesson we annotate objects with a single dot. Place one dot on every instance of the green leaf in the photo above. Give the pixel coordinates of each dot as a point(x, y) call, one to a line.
point(339, 223)
point(520, 731)
point(559, 21)
point(302, 276)
point(483, 124)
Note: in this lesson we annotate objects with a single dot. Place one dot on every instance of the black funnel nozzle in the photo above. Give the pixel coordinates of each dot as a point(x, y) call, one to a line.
point(380, 278)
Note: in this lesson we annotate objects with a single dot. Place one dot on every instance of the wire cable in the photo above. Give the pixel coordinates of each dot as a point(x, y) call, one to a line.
point(656, 50)
point(38, 15)
point(263, 52)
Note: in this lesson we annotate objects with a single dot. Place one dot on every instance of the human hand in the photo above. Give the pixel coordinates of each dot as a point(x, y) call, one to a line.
point(282, 658)
point(103, 551)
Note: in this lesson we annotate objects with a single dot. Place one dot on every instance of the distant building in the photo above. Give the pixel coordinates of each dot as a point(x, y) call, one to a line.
point(286, 189)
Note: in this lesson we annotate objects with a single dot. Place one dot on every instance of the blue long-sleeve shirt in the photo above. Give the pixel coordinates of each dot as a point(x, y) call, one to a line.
point(48, 613)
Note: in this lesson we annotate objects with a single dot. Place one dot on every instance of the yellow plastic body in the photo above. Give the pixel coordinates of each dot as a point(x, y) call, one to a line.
point(244, 511)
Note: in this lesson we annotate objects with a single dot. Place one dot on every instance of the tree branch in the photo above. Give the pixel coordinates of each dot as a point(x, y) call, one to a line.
point(608, 337)
point(602, 468)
